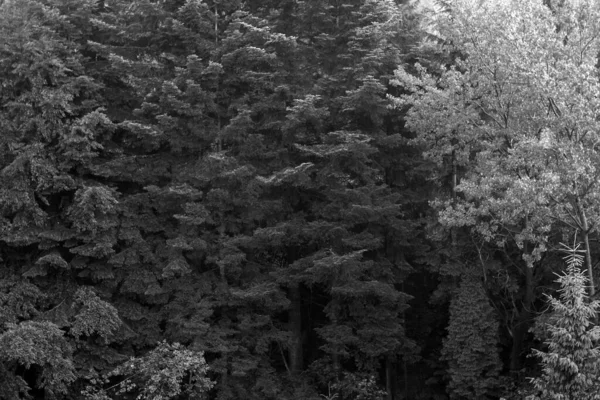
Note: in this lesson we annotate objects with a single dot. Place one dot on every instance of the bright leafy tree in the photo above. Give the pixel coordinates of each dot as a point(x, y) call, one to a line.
point(168, 371)
point(513, 120)
point(519, 112)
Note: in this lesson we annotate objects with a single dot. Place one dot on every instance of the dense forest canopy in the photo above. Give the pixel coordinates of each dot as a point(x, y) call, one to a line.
point(340, 199)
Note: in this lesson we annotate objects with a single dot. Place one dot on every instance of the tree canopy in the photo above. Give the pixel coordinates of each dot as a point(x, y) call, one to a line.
point(349, 199)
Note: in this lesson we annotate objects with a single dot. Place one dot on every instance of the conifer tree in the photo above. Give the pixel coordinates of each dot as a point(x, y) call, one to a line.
point(471, 347)
point(51, 213)
point(195, 171)
point(571, 364)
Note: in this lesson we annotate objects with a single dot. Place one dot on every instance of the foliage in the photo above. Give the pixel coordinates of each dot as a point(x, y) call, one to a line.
point(470, 349)
point(223, 174)
point(509, 115)
point(515, 115)
point(165, 372)
point(358, 387)
point(41, 345)
point(571, 364)
point(95, 316)
point(504, 104)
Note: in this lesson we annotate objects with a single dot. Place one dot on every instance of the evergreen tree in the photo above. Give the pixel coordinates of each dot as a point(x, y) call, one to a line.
point(202, 172)
point(471, 347)
point(51, 213)
point(571, 365)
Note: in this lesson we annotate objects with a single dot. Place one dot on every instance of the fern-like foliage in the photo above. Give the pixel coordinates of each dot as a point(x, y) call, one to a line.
point(574, 257)
point(571, 365)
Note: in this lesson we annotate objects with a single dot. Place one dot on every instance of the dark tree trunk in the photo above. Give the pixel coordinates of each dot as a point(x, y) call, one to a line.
point(588, 255)
point(295, 327)
point(519, 332)
point(521, 327)
point(389, 378)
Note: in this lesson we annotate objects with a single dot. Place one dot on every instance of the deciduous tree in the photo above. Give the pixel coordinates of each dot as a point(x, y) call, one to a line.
point(514, 118)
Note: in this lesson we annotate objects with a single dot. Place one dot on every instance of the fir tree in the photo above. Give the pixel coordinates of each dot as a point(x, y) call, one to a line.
point(471, 347)
point(202, 172)
point(571, 365)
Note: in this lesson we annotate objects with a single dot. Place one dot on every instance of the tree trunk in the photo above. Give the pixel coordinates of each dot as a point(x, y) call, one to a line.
point(454, 175)
point(405, 372)
point(389, 376)
point(454, 184)
point(585, 230)
point(224, 375)
point(335, 356)
point(521, 327)
point(519, 332)
point(216, 26)
point(588, 256)
point(295, 327)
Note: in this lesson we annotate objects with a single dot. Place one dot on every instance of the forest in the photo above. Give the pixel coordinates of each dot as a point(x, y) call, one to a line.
point(299, 199)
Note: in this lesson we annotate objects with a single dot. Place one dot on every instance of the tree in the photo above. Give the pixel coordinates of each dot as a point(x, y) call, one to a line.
point(513, 119)
point(470, 349)
point(520, 106)
point(166, 372)
point(203, 172)
point(303, 207)
point(51, 214)
point(571, 366)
